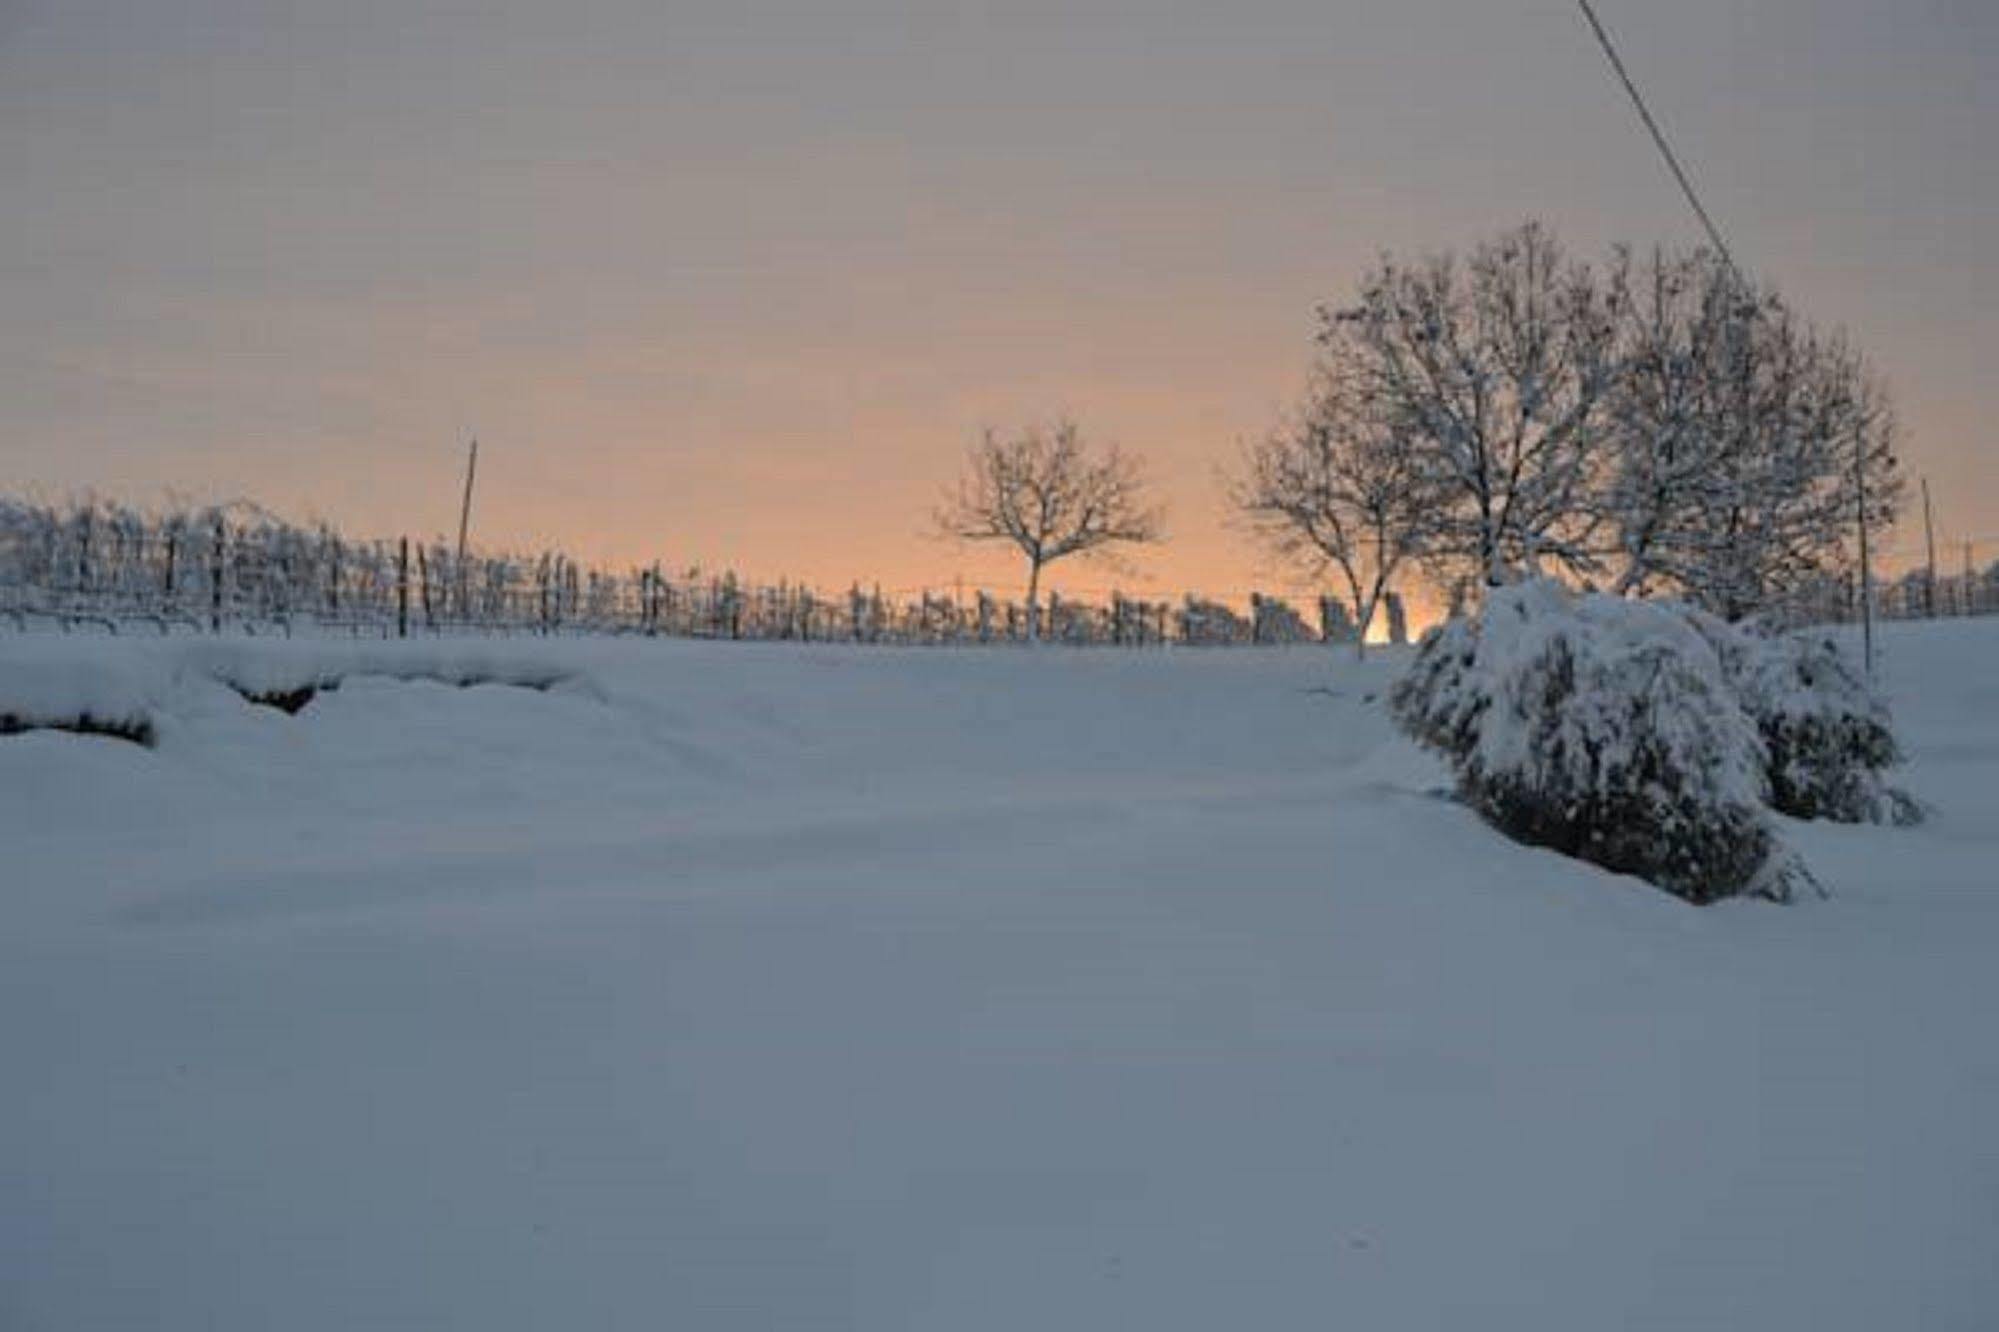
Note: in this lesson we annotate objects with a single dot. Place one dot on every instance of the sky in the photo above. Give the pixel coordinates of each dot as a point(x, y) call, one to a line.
point(737, 283)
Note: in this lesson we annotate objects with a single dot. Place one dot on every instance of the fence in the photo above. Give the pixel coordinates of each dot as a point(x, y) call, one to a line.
point(239, 568)
point(1971, 588)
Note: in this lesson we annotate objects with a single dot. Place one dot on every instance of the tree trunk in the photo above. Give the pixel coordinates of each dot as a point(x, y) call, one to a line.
point(1033, 600)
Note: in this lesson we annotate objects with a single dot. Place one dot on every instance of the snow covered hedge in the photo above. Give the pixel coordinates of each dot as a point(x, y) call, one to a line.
point(1826, 731)
point(1605, 729)
point(1652, 738)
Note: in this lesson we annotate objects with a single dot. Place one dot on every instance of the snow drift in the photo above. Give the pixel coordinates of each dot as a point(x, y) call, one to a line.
point(89, 686)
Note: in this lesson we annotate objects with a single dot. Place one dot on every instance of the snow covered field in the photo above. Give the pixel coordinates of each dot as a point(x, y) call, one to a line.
point(756, 986)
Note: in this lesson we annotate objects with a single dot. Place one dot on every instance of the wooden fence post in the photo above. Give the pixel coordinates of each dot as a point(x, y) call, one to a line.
point(218, 569)
point(173, 551)
point(403, 588)
point(423, 587)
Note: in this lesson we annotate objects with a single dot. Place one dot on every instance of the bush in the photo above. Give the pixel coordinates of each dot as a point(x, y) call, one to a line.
point(1605, 729)
point(1825, 730)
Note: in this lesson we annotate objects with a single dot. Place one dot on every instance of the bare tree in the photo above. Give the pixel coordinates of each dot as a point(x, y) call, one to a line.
point(1051, 496)
point(1740, 435)
point(1339, 490)
point(1665, 425)
point(1494, 371)
point(1684, 324)
point(1820, 423)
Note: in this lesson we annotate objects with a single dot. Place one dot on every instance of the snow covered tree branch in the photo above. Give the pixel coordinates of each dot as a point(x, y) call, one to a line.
point(1492, 372)
point(1744, 439)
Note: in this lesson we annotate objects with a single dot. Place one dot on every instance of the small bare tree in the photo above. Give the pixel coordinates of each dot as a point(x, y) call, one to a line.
point(1339, 489)
point(1051, 496)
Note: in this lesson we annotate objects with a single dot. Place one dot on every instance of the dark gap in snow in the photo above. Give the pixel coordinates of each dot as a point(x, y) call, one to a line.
point(292, 701)
point(539, 684)
point(138, 731)
point(288, 701)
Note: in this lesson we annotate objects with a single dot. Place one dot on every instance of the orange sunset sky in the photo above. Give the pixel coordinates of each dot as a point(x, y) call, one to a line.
point(736, 284)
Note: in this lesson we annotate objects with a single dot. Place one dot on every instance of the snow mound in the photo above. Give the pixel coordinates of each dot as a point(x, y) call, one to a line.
point(66, 684)
point(287, 676)
point(1605, 729)
point(99, 695)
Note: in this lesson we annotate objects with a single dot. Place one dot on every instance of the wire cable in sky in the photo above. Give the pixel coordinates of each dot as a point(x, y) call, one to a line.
point(1659, 138)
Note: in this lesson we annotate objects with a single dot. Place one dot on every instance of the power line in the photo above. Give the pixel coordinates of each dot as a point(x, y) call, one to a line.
point(1861, 510)
point(1659, 138)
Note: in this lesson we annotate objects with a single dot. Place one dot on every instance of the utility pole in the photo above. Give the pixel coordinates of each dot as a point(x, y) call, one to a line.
point(1866, 565)
point(465, 522)
point(1930, 540)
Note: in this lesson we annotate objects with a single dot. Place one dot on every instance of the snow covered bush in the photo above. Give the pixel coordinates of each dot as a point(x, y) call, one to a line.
point(1824, 728)
point(1605, 729)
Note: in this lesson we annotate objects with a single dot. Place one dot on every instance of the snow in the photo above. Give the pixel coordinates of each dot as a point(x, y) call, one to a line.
point(764, 986)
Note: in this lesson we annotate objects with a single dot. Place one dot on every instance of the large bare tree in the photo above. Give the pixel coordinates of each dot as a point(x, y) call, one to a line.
point(1494, 370)
point(1050, 495)
point(1746, 442)
point(1665, 425)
